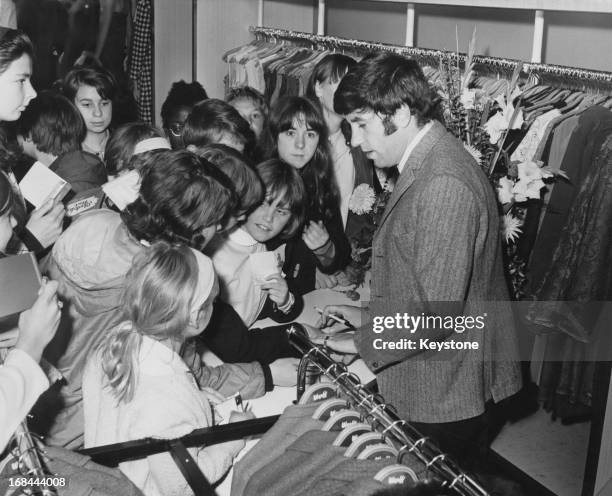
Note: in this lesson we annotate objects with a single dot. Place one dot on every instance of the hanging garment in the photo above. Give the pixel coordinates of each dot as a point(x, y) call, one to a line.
point(295, 420)
point(141, 60)
point(594, 125)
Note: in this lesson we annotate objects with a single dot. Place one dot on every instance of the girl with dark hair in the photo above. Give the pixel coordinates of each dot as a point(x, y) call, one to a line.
point(280, 215)
point(92, 90)
point(45, 223)
point(297, 134)
point(215, 121)
point(177, 106)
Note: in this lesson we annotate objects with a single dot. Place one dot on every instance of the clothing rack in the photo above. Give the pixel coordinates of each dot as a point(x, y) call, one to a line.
point(556, 75)
point(382, 415)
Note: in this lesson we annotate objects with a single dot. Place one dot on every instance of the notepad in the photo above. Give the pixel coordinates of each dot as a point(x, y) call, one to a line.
point(124, 189)
point(19, 284)
point(41, 184)
point(264, 264)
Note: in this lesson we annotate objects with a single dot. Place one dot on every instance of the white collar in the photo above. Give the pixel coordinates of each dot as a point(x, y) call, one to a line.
point(412, 145)
point(242, 237)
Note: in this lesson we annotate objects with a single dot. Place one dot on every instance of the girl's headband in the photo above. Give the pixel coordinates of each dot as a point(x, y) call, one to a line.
point(149, 144)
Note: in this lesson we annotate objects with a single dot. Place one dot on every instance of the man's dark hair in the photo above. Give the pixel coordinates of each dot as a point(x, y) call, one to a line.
point(210, 119)
point(383, 82)
point(233, 164)
point(53, 124)
point(180, 195)
point(98, 77)
point(181, 94)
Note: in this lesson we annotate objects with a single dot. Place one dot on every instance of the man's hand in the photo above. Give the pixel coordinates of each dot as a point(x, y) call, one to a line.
point(347, 312)
point(341, 343)
point(315, 235)
point(284, 371)
point(277, 289)
point(37, 325)
point(45, 222)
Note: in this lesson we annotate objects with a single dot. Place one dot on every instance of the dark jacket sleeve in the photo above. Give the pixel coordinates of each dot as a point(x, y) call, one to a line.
point(342, 247)
point(233, 342)
point(29, 240)
point(270, 310)
point(299, 267)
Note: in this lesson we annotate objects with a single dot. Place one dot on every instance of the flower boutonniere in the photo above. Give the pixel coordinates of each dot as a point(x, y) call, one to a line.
point(362, 200)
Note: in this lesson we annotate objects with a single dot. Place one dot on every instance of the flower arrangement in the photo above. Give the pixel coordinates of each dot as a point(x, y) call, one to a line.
point(367, 204)
point(482, 123)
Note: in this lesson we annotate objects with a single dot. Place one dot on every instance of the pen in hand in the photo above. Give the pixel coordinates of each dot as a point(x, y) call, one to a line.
point(350, 327)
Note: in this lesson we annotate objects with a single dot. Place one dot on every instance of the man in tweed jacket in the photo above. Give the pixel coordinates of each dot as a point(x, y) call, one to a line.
point(437, 252)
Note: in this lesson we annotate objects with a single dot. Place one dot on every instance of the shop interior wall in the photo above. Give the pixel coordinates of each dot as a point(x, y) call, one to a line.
point(224, 24)
point(172, 52)
point(574, 39)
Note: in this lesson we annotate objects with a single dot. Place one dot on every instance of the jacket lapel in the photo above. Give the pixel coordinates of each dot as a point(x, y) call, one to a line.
point(412, 167)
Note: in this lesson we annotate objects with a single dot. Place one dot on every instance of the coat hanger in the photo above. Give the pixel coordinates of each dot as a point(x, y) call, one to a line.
point(328, 408)
point(341, 420)
point(350, 433)
point(380, 451)
point(396, 475)
point(319, 392)
point(362, 442)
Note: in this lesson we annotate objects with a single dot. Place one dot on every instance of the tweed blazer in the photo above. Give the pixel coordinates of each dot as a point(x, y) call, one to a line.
point(439, 241)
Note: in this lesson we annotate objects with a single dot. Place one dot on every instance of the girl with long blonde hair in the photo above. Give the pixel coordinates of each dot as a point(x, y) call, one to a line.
point(136, 385)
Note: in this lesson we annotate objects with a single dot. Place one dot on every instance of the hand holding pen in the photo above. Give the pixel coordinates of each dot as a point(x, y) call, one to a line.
point(343, 315)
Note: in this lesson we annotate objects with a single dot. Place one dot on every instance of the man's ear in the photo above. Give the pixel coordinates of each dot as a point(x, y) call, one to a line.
point(402, 116)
